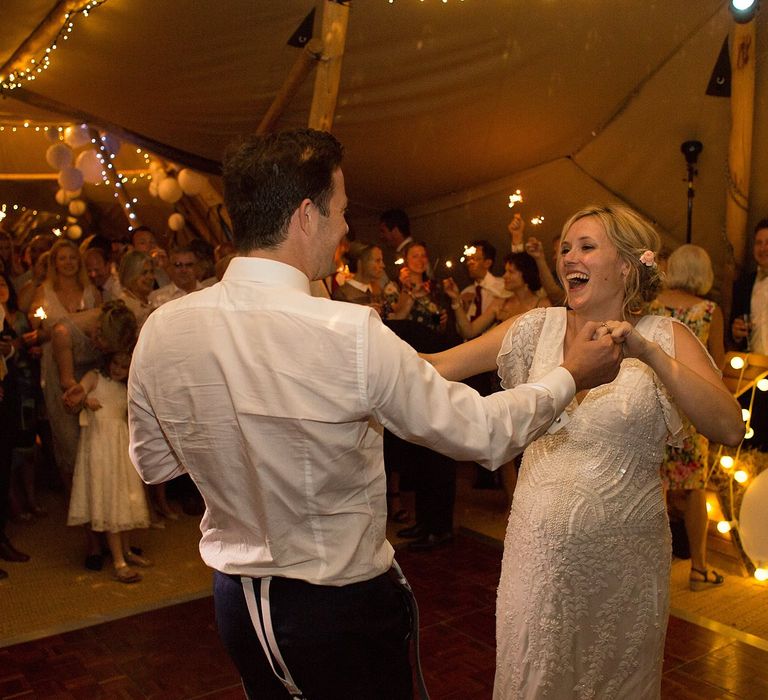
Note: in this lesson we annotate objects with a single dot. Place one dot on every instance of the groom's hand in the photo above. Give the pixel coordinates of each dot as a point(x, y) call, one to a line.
point(593, 357)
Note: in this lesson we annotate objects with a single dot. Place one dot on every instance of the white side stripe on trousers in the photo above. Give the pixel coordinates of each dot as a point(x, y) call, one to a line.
point(262, 623)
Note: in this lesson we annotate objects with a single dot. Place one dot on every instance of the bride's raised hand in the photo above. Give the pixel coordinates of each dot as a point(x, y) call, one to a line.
point(623, 332)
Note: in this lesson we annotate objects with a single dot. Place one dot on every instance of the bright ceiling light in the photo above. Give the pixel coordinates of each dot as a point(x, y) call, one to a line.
point(743, 10)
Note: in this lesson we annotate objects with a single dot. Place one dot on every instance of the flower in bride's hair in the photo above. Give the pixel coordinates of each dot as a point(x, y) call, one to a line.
point(648, 259)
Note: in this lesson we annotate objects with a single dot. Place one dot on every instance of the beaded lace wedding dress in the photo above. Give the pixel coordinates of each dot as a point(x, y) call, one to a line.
point(583, 597)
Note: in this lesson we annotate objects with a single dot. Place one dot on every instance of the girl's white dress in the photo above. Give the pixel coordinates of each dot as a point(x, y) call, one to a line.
point(583, 597)
point(106, 489)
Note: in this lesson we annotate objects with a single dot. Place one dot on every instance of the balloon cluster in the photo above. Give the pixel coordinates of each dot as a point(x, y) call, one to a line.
point(73, 154)
point(171, 188)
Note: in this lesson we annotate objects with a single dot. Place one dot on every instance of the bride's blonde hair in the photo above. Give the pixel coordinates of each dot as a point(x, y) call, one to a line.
point(632, 236)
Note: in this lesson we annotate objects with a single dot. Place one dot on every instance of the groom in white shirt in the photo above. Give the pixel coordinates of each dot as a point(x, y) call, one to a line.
point(274, 401)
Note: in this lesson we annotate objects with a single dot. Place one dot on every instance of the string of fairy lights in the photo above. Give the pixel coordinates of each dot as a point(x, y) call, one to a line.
point(37, 64)
point(734, 466)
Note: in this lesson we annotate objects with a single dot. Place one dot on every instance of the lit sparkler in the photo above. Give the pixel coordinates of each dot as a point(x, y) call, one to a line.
point(40, 313)
point(537, 220)
point(516, 198)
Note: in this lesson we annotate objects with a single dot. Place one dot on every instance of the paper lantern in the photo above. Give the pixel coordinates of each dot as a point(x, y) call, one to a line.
point(59, 156)
point(62, 197)
point(152, 187)
point(176, 222)
point(89, 164)
point(111, 143)
point(52, 135)
point(77, 207)
point(191, 182)
point(753, 519)
point(74, 194)
point(169, 191)
point(70, 179)
point(74, 232)
point(77, 135)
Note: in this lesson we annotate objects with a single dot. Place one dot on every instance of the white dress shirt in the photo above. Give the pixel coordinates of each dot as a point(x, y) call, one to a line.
point(168, 293)
point(491, 287)
point(273, 401)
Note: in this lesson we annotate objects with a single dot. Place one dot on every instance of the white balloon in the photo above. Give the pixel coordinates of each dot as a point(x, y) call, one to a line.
point(74, 194)
point(77, 135)
point(169, 191)
point(77, 207)
point(89, 164)
point(70, 179)
point(191, 182)
point(59, 156)
point(74, 232)
point(176, 222)
point(153, 188)
point(62, 197)
point(753, 519)
point(53, 135)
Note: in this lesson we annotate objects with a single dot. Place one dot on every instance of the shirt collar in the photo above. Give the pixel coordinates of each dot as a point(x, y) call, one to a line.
point(266, 271)
point(405, 242)
point(359, 285)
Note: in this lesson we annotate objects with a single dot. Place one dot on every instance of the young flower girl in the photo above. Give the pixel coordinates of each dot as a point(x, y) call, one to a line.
point(106, 489)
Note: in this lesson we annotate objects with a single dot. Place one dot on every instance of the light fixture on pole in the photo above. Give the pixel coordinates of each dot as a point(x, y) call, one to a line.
point(691, 151)
point(743, 11)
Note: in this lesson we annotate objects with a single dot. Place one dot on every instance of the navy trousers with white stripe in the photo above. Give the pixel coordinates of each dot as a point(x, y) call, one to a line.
point(326, 642)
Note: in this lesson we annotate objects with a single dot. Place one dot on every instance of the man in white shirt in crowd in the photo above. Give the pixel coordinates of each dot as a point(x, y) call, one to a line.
point(395, 231)
point(100, 273)
point(182, 269)
point(485, 286)
point(274, 401)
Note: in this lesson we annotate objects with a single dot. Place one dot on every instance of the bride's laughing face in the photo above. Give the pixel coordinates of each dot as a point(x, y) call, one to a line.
point(591, 270)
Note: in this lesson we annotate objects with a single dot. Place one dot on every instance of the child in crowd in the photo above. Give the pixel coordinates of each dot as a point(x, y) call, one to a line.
point(106, 489)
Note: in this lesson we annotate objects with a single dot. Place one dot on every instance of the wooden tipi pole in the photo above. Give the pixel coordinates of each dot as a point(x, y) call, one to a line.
point(331, 19)
point(740, 145)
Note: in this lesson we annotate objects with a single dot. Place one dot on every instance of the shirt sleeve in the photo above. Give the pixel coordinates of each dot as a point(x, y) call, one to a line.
point(150, 451)
point(412, 400)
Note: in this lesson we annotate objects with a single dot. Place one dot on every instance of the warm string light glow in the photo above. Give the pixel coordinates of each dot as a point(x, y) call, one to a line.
point(16, 128)
point(35, 66)
point(110, 175)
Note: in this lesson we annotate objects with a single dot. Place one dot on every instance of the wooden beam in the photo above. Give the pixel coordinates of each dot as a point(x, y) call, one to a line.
point(302, 67)
point(740, 144)
point(331, 18)
point(42, 36)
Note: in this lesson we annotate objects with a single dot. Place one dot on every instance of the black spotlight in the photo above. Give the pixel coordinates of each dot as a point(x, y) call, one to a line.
point(691, 150)
point(743, 10)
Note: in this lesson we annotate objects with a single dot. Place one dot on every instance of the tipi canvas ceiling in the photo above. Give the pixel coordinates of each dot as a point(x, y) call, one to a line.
point(444, 108)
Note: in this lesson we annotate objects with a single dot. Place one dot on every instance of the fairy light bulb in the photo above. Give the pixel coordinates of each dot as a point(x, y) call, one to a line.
point(763, 384)
point(761, 574)
point(745, 414)
point(750, 433)
point(726, 462)
point(723, 527)
point(738, 362)
point(709, 507)
point(741, 476)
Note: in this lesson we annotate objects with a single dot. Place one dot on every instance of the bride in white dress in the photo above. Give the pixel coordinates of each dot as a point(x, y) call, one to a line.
point(583, 597)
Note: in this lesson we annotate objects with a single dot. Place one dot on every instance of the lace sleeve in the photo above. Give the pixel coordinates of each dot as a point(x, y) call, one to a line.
point(678, 429)
point(516, 353)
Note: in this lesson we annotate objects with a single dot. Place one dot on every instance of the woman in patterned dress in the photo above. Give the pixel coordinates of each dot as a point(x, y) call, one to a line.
point(689, 277)
point(583, 598)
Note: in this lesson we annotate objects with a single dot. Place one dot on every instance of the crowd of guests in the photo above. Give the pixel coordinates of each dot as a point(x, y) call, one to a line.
point(71, 315)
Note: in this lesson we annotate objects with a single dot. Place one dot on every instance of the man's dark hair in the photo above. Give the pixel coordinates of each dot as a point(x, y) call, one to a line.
point(760, 225)
point(267, 177)
point(489, 251)
point(396, 217)
point(527, 267)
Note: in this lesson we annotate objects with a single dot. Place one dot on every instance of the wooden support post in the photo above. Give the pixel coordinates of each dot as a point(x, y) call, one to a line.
point(301, 68)
point(331, 21)
point(740, 145)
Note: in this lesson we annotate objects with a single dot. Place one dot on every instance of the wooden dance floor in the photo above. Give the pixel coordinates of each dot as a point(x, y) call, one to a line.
point(174, 652)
